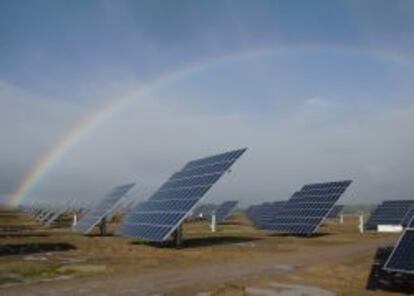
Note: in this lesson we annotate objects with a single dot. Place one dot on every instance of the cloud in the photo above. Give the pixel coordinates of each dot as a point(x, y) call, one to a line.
point(154, 136)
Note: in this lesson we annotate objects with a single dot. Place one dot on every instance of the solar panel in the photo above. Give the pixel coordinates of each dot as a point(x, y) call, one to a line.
point(402, 257)
point(336, 210)
point(102, 209)
point(390, 212)
point(58, 213)
point(408, 216)
point(264, 213)
point(158, 217)
point(305, 211)
point(225, 209)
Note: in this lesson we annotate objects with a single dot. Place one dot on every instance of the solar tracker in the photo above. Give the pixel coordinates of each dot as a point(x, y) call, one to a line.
point(102, 209)
point(162, 214)
point(224, 210)
point(402, 257)
point(305, 211)
point(264, 213)
point(58, 213)
point(390, 212)
point(336, 210)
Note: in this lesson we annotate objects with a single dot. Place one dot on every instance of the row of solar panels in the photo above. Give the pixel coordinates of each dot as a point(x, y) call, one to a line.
point(391, 212)
point(304, 212)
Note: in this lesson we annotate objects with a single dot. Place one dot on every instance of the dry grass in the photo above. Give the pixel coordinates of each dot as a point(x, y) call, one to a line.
point(93, 257)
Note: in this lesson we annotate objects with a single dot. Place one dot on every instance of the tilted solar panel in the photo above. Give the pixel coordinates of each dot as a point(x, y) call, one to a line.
point(264, 213)
point(336, 210)
point(102, 209)
point(402, 257)
point(58, 213)
point(390, 212)
point(225, 210)
point(305, 211)
point(158, 217)
point(408, 216)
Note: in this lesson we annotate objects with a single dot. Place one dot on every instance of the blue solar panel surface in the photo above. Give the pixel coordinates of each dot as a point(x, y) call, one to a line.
point(408, 216)
point(390, 212)
point(157, 218)
point(264, 213)
point(336, 210)
point(102, 209)
point(225, 210)
point(402, 257)
point(305, 211)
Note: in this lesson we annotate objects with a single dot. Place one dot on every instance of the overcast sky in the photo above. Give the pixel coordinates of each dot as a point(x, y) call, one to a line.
point(317, 90)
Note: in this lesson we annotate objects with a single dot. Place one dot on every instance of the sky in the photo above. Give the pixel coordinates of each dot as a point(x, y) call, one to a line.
point(317, 90)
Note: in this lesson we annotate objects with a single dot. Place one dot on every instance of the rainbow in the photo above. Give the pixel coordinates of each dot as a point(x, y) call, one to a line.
point(89, 123)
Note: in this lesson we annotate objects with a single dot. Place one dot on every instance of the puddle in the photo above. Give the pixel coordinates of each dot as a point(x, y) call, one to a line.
point(35, 258)
point(283, 267)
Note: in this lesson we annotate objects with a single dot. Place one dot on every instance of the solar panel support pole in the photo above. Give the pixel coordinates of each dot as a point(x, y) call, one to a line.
point(75, 220)
point(102, 226)
point(178, 236)
point(361, 224)
point(341, 219)
point(213, 222)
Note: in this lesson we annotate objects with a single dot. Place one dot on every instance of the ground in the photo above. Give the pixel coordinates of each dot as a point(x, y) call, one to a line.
point(236, 260)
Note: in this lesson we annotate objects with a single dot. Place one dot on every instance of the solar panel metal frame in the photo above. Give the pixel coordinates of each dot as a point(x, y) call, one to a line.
point(205, 167)
point(225, 210)
point(409, 230)
point(329, 193)
point(98, 213)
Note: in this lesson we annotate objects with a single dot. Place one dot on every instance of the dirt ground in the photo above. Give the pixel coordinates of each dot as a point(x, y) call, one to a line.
point(236, 260)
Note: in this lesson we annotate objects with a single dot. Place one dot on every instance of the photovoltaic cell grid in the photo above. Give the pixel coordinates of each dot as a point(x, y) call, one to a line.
point(306, 210)
point(408, 216)
point(390, 212)
point(402, 257)
point(157, 218)
point(102, 209)
point(336, 210)
point(264, 213)
point(225, 210)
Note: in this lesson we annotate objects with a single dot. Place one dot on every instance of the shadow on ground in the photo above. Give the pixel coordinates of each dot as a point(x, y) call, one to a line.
point(315, 235)
point(32, 248)
point(380, 279)
point(200, 242)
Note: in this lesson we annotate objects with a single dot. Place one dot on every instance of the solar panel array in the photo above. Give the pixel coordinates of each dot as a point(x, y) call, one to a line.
point(58, 213)
point(402, 257)
point(390, 212)
point(306, 210)
point(264, 213)
point(102, 209)
point(336, 210)
point(225, 209)
point(157, 218)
